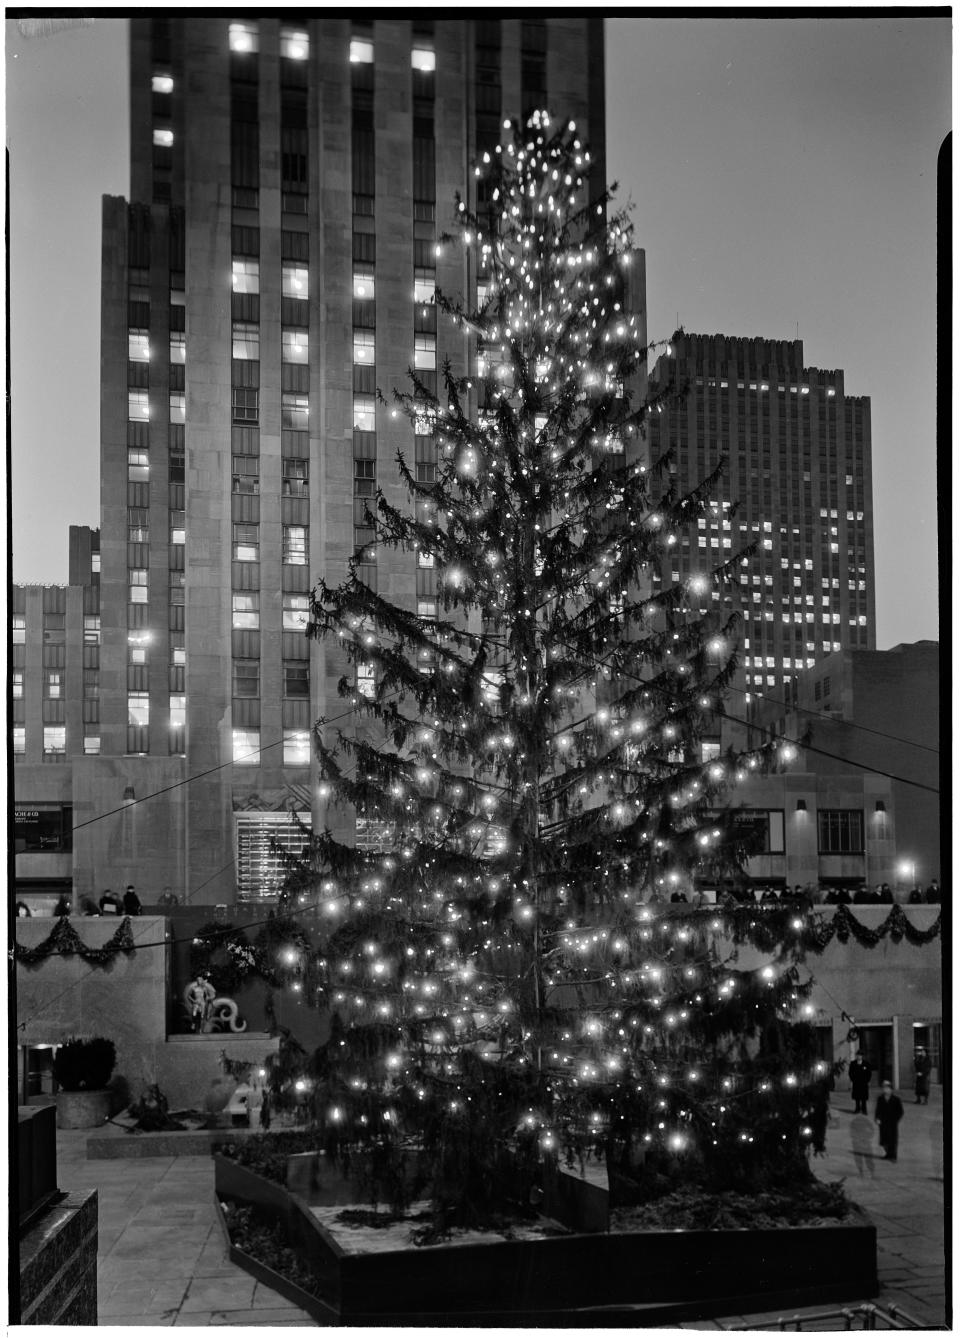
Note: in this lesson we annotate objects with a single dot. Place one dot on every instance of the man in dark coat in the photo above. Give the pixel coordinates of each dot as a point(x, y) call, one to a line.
point(921, 1068)
point(888, 1114)
point(860, 1072)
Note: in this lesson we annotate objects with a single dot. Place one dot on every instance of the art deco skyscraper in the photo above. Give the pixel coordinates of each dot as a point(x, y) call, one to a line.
point(290, 184)
point(797, 481)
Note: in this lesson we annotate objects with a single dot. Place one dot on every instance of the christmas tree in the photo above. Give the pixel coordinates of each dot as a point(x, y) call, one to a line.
point(525, 759)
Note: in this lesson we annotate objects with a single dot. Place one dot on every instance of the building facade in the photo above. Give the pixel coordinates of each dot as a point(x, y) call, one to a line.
point(274, 269)
point(797, 482)
point(877, 713)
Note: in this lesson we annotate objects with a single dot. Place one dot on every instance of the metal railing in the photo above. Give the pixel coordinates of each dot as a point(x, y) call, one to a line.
point(852, 1318)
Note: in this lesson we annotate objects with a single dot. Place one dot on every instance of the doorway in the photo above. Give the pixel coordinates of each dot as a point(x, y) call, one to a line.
point(876, 1045)
point(928, 1034)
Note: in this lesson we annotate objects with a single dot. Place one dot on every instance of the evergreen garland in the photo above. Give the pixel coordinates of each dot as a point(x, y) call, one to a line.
point(64, 941)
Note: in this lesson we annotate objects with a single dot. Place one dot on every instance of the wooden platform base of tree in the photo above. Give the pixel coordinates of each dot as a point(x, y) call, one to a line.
point(611, 1279)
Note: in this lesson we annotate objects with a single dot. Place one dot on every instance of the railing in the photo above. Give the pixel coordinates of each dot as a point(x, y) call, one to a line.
point(869, 1317)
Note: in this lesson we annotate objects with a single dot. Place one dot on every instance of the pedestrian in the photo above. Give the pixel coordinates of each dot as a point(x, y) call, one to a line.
point(131, 902)
point(933, 893)
point(921, 1069)
point(63, 905)
point(886, 894)
point(888, 1114)
point(863, 896)
point(110, 904)
point(818, 1114)
point(169, 898)
point(860, 1072)
point(916, 897)
point(678, 896)
point(87, 906)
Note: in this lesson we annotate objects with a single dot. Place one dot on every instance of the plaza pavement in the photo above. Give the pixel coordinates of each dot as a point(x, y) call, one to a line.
point(162, 1259)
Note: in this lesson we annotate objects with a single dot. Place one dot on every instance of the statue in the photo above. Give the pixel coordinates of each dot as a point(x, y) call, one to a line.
point(208, 1011)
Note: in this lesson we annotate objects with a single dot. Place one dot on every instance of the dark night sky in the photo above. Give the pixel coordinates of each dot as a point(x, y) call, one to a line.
point(783, 173)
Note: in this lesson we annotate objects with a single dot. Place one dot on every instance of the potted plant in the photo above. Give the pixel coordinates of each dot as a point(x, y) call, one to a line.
point(82, 1069)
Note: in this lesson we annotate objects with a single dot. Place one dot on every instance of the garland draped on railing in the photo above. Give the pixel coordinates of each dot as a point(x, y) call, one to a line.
point(777, 928)
point(64, 941)
point(844, 925)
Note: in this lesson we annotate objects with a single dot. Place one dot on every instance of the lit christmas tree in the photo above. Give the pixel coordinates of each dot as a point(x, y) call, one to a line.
point(526, 760)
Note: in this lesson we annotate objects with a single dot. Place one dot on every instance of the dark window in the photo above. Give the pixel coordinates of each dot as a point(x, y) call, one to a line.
point(296, 679)
point(246, 678)
point(246, 404)
point(840, 831)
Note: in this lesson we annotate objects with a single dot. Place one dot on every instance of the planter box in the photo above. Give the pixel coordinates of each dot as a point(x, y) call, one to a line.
point(83, 1110)
point(604, 1278)
point(317, 1309)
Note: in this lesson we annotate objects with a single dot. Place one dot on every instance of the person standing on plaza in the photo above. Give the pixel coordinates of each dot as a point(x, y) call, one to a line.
point(921, 1069)
point(888, 1114)
point(131, 902)
point(860, 1072)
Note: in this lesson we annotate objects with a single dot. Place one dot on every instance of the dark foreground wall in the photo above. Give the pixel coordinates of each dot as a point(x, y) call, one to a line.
point(58, 1264)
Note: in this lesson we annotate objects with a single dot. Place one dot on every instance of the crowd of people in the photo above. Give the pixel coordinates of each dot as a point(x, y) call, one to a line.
point(809, 894)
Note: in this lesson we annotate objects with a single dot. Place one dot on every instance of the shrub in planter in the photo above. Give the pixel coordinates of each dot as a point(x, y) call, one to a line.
point(84, 1065)
point(82, 1069)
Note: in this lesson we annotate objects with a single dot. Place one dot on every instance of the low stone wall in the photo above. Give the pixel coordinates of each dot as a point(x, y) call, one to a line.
point(187, 1065)
point(58, 1264)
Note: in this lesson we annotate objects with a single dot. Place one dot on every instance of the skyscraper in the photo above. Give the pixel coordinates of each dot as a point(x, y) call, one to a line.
point(797, 481)
point(273, 270)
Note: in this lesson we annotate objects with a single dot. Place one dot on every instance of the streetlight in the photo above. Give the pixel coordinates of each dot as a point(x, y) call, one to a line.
point(907, 868)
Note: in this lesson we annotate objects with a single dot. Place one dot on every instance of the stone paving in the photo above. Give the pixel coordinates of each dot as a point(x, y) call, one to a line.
point(163, 1261)
point(904, 1200)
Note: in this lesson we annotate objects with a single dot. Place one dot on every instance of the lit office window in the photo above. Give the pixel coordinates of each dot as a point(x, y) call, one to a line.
point(55, 739)
point(178, 407)
point(17, 683)
point(295, 545)
point(138, 465)
point(246, 611)
point(246, 276)
point(91, 744)
point(246, 342)
point(178, 710)
point(138, 346)
point(296, 749)
point(363, 286)
point(244, 38)
point(178, 347)
point(163, 137)
point(246, 543)
point(295, 412)
point(364, 413)
point(138, 406)
point(361, 53)
point(18, 625)
point(364, 347)
point(366, 681)
point(294, 44)
point(424, 59)
point(246, 747)
point(162, 83)
point(19, 740)
point(296, 609)
point(295, 281)
point(424, 286)
point(425, 353)
point(294, 345)
point(138, 708)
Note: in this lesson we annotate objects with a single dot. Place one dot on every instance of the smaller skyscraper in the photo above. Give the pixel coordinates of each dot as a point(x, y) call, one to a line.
point(797, 481)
